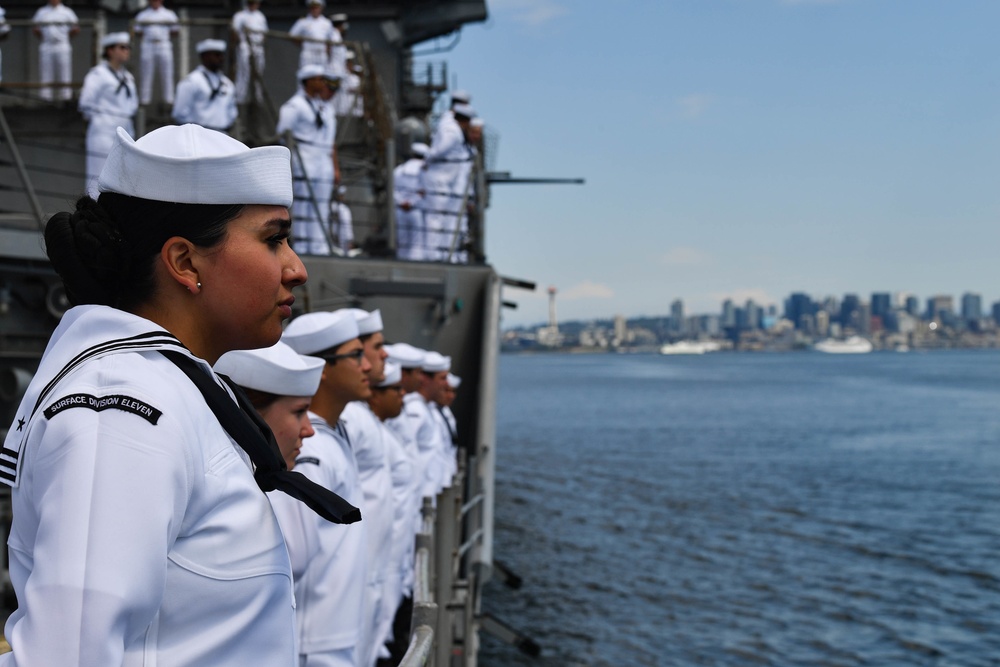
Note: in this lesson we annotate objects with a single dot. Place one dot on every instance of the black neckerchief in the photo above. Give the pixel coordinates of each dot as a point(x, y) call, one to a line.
point(252, 433)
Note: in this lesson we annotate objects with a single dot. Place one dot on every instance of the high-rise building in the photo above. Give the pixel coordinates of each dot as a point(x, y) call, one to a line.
point(881, 305)
point(972, 307)
point(996, 312)
point(797, 305)
point(754, 315)
point(728, 314)
point(848, 310)
point(940, 307)
point(677, 316)
point(912, 306)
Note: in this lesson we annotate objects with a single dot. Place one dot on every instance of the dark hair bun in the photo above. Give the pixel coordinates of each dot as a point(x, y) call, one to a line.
point(88, 252)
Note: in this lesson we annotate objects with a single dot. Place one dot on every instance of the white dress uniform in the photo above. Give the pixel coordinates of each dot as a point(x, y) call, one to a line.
point(406, 514)
point(449, 450)
point(331, 590)
point(429, 465)
point(250, 26)
point(312, 123)
point(342, 223)
point(206, 98)
point(4, 30)
point(139, 536)
point(338, 53)
point(157, 26)
point(55, 55)
point(449, 164)
point(108, 100)
point(348, 100)
point(408, 188)
point(314, 28)
point(375, 475)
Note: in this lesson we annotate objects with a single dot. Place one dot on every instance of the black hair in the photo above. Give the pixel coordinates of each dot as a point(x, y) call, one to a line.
point(105, 250)
point(260, 400)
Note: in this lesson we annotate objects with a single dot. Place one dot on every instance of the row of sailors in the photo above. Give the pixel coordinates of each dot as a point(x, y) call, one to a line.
point(372, 423)
point(321, 39)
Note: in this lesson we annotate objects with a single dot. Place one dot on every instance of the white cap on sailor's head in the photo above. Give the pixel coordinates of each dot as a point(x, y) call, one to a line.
point(190, 164)
point(338, 18)
point(317, 332)
point(310, 72)
point(310, 3)
point(419, 148)
point(454, 381)
point(435, 363)
point(331, 74)
point(460, 97)
point(277, 370)
point(393, 375)
point(368, 322)
point(464, 110)
point(113, 39)
point(405, 355)
point(206, 45)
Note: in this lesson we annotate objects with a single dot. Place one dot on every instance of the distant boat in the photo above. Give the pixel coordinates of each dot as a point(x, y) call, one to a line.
point(689, 347)
point(852, 345)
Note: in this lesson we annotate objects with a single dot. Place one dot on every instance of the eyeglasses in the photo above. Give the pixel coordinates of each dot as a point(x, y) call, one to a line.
point(354, 354)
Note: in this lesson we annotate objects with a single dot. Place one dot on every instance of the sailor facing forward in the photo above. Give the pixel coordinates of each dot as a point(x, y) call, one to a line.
point(249, 27)
point(315, 33)
point(54, 25)
point(308, 117)
point(158, 27)
point(108, 100)
point(206, 96)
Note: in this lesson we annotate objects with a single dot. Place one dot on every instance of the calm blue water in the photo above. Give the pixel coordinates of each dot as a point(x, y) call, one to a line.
point(750, 509)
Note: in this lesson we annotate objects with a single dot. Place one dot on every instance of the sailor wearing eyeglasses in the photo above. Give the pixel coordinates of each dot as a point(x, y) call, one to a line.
point(375, 472)
point(108, 100)
point(330, 594)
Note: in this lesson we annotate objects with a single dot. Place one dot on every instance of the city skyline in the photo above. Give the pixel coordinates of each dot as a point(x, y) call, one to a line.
point(988, 308)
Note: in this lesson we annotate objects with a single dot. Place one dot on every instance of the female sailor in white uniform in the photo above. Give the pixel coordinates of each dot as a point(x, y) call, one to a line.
point(141, 534)
point(108, 101)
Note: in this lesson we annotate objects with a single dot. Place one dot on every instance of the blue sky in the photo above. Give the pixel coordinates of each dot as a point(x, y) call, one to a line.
point(739, 148)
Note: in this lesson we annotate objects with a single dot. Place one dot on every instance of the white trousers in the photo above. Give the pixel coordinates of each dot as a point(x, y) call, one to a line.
point(309, 219)
point(243, 70)
point(55, 65)
point(156, 57)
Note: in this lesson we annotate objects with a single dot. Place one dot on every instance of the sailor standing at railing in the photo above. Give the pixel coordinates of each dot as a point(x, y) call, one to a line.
point(387, 403)
point(375, 474)
point(158, 26)
point(4, 31)
point(448, 165)
point(315, 33)
point(408, 190)
point(308, 117)
point(55, 24)
point(330, 594)
point(249, 27)
point(405, 426)
point(338, 50)
point(108, 100)
point(206, 96)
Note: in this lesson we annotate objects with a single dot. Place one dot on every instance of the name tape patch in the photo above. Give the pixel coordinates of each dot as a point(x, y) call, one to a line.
point(100, 403)
point(307, 459)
